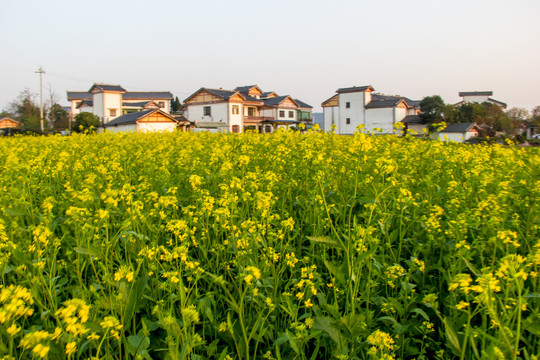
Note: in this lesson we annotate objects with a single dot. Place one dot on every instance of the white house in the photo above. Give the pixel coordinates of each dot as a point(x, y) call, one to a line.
point(244, 108)
point(459, 132)
point(152, 120)
point(479, 97)
point(109, 101)
point(358, 105)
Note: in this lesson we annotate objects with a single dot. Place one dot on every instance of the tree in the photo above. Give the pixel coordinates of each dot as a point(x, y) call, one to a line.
point(58, 118)
point(86, 122)
point(432, 109)
point(535, 116)
point(176, 105)
point(25, 109)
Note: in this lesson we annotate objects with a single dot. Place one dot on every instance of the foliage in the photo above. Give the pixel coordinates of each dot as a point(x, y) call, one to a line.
point(176, 105)
point(86, 122)
point(432, 109)
point(26, 110)
point(282, 246)
point(58, 118)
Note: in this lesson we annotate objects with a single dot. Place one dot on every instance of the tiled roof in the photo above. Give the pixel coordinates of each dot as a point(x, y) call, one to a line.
point(275, 100)
point(224, 94)
point(458, 128)
point(498, 102)
point(475, 93)
point(246, 88)
point(302, 104)
point(150, 95)
point(355, 89)
point(85, 102)
point(78, 95)
point(384, 103)
point(268, 93)
point(136, 104)
point(413, 119)
point(130, 118)
point(107, 87)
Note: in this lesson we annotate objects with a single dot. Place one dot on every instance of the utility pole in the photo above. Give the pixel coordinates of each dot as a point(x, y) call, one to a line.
point(41, 72)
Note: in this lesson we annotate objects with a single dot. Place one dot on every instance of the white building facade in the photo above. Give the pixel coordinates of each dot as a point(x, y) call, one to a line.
point(359, 106)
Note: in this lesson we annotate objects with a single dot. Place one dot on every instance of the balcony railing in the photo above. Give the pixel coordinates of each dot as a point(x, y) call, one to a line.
point(257, 119)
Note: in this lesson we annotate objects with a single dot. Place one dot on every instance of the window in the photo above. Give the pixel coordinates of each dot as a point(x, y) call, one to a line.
point(161, 104)
point(282, 113)
point(348, 105)
point(235, 110)
point(268, 128)
point(291, 114)
point(251, 111)
point(112, 112)
point(207, 111)
point(348, 120)
point(236, 128)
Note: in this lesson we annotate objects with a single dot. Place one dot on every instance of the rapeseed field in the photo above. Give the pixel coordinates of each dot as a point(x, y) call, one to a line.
point(282, 246)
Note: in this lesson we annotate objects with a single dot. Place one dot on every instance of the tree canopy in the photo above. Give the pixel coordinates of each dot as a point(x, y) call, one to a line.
point(86, 122)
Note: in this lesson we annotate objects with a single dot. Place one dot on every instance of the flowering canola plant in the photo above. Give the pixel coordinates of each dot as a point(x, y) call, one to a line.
point(281, 246)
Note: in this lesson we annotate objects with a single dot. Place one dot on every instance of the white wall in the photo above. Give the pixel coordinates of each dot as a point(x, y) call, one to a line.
point(355, 112)
point(122, 128)
point(98, 105)
point(235, 119)
point(476, 98)
point(286, 113)
point(381, 118)
point(330, 116)
point(112, 101)
point(219, 112)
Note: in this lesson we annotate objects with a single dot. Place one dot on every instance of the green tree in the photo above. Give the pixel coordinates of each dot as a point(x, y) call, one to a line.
point(432, 109)
point(176, 105)
point(58, 118)
point(25, 109)
point(86, 122)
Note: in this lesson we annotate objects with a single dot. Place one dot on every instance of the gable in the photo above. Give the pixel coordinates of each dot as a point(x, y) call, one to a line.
point(203, 96)
point(333, 101)
point(288, 102)
point(6, 123)
point(156, 117)
point(236, 98)
point(255, 91)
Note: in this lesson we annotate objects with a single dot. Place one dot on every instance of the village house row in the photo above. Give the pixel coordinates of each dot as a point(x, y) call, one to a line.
point(250, 108)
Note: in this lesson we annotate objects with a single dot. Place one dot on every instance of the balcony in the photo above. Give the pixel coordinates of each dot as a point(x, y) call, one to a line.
point(256, 119)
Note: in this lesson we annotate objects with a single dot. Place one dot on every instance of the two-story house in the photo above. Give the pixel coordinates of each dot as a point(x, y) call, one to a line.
point(479, 97)
point(359, 105)
point(244, 108)
point(109, 101)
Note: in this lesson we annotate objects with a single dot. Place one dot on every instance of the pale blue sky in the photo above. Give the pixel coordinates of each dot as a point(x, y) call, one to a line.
point(306, 49)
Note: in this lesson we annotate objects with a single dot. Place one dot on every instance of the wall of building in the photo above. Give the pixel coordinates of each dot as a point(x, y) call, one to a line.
point(156, 126)
point(219, 112)
point(286, 114)
point(330, 117)
point(112, 101)
point(476, 98)
point(381, 119)
point(236, 119)
point(355, 112)
point(98, 105)
point(122, 128)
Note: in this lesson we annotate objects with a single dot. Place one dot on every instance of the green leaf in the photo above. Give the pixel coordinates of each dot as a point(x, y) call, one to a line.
point(85, 251)
point(136, 344)
point(326, 241)
point(325, 323)
point(451, 336)
point(135, 297)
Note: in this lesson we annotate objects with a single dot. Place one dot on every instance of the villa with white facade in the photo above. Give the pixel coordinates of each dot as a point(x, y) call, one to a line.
point(479, 97)
point(110, 102)
point(244, 108)
point(359, 105)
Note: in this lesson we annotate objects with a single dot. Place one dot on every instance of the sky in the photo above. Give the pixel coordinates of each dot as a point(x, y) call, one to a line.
point(303, 48)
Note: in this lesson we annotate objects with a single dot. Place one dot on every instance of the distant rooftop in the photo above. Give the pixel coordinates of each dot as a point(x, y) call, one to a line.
point(355, 89)
point(475, 93)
